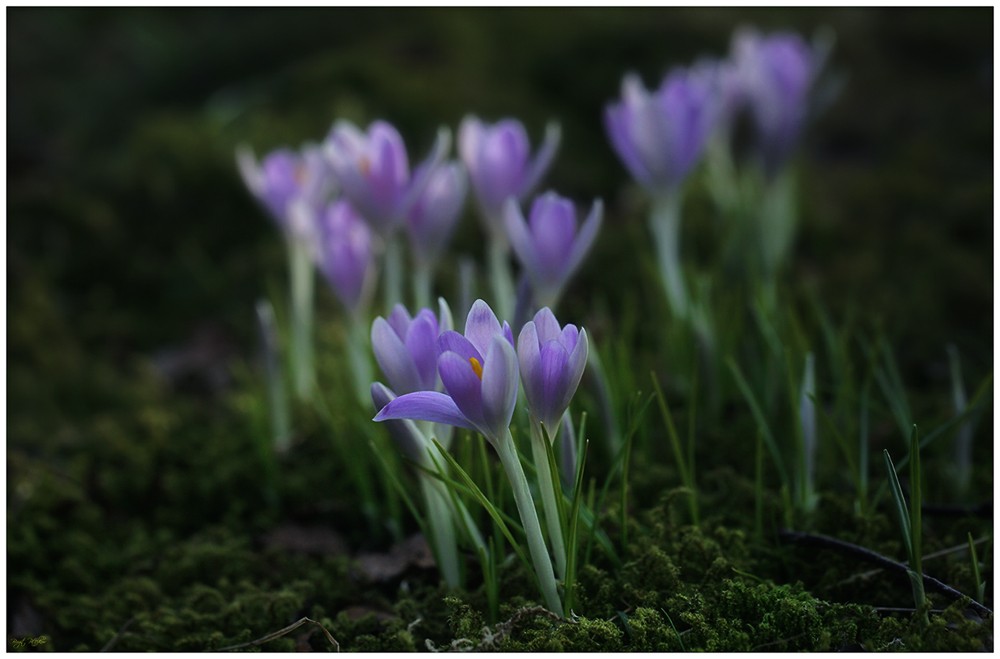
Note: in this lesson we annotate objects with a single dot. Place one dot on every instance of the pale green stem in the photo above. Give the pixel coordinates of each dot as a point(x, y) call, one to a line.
point(392, 284)
point(281, 425)
point(549, 503)
point(423, 278)
point(777, 228)
point(665, 222)
point(358, 347)
point(302, 285)
point(529, 518)
point(442, 529)
point(501, 277)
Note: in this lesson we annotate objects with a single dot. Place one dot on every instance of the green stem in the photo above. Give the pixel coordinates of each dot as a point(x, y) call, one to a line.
point(442, 529)
point(501, 278)
point(529, 519)
point(549, 504)
point(392, 290)
point(665, 222)
point(423, 279)
point(302, 282)
point(358, 343)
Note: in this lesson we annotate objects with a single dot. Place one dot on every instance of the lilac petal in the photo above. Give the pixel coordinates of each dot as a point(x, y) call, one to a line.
point(585, 238)
point(470, 138)
point(408, 437)
point(394, 359)
point(399, 320)
point(463, 386)
point(425, 406)
point(568, 337)
point(550, 383)
point(446, 323)
point(527, 357)
point(481, 325)
point(553, 227)
point(575, 366)
point(519, 236)
point(452, 341)
point(546, 326)
point(422, 175)
point(546, 153)
point(250, 172)
point(499, 386)
point(616, 123)
point(508, 333)
point(502, 157)
point(421, 345)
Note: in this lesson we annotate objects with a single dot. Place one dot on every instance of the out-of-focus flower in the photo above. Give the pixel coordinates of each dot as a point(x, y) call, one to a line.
point(661, 135)
point(775, 74)
point(548, 245)
point(479, 372)
point(497, 157)
point(373, 171)
point(552, 360)
point(432, 219)
point(406, 348)
point(283, 177)
point(344, 254)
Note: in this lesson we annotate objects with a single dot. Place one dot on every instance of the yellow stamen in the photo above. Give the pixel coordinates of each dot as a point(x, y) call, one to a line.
point(476, 366)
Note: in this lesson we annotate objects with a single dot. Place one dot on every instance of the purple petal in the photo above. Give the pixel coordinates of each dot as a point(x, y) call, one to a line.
point(399, 320)
point(481, 325)
point(470, 137)
point(550, 383)
point(508, 333)
point(464, 386)
point(406, 434)
point(520, 238)
point(425, 406)
point(394, 359)
point(585, 238)
point(452, 341)
point(553, 227)
point(546, 326)
point(575, 366)
point(421, 345)
point(527, 357)
point(499, 386)
point(546, 153)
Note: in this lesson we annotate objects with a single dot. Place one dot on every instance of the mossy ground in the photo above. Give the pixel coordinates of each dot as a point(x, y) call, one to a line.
point(137, 500)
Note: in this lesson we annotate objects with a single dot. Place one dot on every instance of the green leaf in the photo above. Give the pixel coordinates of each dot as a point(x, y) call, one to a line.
point(758, 415)
point(902, 514)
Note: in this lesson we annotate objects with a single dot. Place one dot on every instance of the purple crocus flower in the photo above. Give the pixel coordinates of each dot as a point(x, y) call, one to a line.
point(479, 372)
point(497, 158)
point(432, 219)
point(374, 171)
point(408, 437)
point(345, 255)
point(286, 176)
point(406, 348)
point(552, 360)
point(548, 245)
point(661, 135)
point(775, 74)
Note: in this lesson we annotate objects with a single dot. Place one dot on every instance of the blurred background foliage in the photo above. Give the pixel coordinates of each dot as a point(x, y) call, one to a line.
point(129, 232)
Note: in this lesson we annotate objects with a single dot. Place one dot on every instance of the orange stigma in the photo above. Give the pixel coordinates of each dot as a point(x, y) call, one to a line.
point(477, 367)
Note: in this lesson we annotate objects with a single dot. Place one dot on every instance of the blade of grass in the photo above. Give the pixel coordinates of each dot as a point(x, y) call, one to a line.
point(758, 415)
point(675, 444)
point(902, 514)
point(572, 546)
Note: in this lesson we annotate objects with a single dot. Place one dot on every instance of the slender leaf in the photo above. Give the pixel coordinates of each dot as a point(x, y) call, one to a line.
point(758, 415)
point(902, 514)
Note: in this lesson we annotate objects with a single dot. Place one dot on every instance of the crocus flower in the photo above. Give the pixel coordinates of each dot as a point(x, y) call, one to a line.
point(775, 75)
point(406, 348)
point(345, 255)
point(497, 158)
point(548, 245)
point(285, 176)
point(552, 359)
point(374, 172)
point(661, 135)
point(479, 372)
point(408, 437)
point(431, 220)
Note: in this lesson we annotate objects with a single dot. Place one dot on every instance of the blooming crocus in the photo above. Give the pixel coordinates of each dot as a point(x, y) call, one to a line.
point(374, 172)
point(548, 245)
point(406, 348)
point(345, 255)
point(661, 135)
point(285, 176)
point(775, 75)
point(552, 360)
point(431, 220)
point(479, 372)
point(498, 159)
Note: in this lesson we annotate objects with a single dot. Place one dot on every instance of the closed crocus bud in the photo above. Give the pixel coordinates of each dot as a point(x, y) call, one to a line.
point(345, 255)
point(285, 177)
point(432, 219)
point(498, 159)
point(406, 348)
point(551, 360)
point(775, 75)
point(661, 135)
point(374, 173)
point(548, 245)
